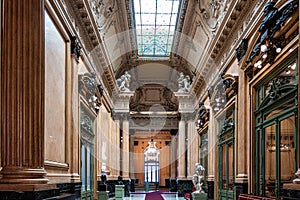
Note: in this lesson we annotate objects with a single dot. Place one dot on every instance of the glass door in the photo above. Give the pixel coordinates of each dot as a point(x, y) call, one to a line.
point(226, 157)
point(276, 130)
point(87, 155)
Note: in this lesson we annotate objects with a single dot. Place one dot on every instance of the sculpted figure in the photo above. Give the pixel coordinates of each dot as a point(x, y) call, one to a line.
point(197, 178)
point(184, 83)
point(123, 82)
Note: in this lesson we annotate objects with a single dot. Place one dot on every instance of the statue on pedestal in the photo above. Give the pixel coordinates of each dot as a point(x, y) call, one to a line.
point(198, 177)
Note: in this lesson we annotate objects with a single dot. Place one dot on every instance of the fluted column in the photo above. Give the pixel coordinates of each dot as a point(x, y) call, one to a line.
point(125, 150)
point(181, 150)
point(22, 92)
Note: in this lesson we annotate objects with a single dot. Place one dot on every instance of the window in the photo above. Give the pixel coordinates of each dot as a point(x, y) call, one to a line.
point(87, 152)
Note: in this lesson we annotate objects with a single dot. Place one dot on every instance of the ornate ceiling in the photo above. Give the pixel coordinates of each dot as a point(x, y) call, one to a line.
point(207, 34)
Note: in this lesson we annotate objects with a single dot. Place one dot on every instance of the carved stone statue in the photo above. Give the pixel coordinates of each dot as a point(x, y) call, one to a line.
point(197, 178)
point(184, 83)
point(123, 82)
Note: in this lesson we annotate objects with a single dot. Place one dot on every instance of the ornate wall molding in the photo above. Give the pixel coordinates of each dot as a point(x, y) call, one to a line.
point(86, 24)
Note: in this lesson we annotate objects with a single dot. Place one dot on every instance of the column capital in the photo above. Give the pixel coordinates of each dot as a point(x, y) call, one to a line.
point(121, 101)
point(187, 102)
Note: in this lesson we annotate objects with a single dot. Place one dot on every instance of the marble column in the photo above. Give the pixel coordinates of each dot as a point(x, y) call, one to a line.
point(125, 149)
point(131, 156)
point(22, 92)
point(242, 144)
point(192, 141)
point(121, 109)
point(114, 138)
point(173, 156)
point(195, 148)
point(181, 151)
point(117, 148)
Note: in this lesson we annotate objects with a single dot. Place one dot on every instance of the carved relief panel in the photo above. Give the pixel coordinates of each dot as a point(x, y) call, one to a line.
point(213, 11)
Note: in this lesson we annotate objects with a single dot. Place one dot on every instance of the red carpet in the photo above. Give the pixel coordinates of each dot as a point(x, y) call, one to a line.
point(154, 196)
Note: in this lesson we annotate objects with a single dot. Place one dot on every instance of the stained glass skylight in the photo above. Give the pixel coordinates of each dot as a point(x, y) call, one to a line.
point(155, 22)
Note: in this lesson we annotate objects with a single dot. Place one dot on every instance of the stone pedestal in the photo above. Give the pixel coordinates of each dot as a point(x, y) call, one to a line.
point(199, 196)
point(119, 192)
point(102, 195)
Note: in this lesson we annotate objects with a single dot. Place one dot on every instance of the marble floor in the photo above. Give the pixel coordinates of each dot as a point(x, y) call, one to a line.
point(165, 196)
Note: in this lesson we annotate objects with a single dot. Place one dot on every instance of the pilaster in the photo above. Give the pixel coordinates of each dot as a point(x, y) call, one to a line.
point(73, 135)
